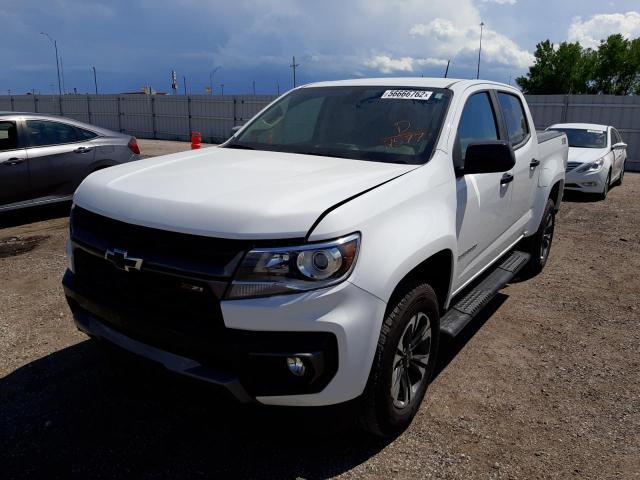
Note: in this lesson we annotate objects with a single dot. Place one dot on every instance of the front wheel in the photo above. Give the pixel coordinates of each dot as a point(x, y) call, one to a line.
point(621, 177)
point(605, 190)
point(539, 244)
point(404, 361)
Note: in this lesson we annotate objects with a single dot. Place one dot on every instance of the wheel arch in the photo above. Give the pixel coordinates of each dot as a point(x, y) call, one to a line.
point(556, 193)
point(436, 270)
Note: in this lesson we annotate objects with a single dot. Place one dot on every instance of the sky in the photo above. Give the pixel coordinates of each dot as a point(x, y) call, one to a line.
point(133, 43)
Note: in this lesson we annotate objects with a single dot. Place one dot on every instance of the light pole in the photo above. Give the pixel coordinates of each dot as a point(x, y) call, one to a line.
point(184, 81)
point(222, 89)
point(55, 46)
point(211, 75)
point(95, 79)
point(480, 50)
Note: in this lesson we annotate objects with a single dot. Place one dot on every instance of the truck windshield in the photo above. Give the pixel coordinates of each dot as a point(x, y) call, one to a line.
point(580, 138)
point(383, 124)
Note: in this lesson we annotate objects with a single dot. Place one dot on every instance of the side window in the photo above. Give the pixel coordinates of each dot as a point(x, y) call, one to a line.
point(514, 117)
point(44, 132)
point(615, 137)
point(8, 136)
point(478, 123)
point(85, 134)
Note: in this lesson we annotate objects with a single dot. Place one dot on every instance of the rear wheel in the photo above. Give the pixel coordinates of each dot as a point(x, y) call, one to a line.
point(403, 363)
point(539, 244)
point(621, 177)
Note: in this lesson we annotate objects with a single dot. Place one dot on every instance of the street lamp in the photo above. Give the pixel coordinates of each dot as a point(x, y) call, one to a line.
point(211, 75)
point(55, 46)
point(480, 50)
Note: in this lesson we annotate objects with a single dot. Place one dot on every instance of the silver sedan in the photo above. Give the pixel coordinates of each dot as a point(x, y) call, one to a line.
point(43, 158)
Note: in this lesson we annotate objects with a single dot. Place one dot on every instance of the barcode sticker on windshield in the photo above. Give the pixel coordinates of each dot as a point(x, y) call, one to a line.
point(595, 131)
point(407, 94)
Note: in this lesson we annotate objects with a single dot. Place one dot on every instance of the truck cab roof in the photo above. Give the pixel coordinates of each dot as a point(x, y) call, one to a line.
point(418, 82)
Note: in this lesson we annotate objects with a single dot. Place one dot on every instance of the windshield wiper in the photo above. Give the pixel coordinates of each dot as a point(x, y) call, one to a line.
point(239, 146)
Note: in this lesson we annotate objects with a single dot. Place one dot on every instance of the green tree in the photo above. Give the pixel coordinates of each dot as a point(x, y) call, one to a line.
point(612, 74)
point(566, 69)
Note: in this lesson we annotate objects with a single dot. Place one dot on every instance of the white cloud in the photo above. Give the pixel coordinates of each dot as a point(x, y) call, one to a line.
point(387, 64)
point(500, 2)
point(598, 27)
point(455, 40)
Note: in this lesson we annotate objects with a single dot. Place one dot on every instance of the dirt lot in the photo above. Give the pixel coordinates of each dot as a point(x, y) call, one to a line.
point(546, 384)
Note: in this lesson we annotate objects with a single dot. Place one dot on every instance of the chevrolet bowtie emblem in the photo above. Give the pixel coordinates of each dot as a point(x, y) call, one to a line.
point(122, 261)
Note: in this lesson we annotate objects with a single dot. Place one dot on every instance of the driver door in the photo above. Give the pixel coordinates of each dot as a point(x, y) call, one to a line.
point(484, 199)
point(14, 174)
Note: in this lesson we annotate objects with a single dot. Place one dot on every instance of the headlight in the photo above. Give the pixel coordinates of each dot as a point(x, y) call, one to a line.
point(274, 271)
point(591, 166)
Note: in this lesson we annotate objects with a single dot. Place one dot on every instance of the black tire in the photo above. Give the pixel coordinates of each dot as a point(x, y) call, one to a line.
point(603, 195)
point(621, 177)
point(382, 412)
point(539, 244)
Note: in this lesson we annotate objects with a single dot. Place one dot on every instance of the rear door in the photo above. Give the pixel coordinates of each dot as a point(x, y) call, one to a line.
point(14, 174)
point(483, 199)
point(525, 172)
point(619, 154)
point(59, 157)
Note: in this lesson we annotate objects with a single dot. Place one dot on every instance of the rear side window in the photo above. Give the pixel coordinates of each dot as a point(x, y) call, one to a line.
point(45, 132)
point(514, 117)
point(8, 136)
point(477, 124)
point(85, 134)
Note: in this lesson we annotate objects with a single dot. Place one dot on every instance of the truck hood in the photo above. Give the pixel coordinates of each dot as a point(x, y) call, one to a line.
point(228, 193)
point(584, 155)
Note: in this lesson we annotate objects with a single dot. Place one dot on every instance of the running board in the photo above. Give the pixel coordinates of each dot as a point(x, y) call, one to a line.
point(460, 314)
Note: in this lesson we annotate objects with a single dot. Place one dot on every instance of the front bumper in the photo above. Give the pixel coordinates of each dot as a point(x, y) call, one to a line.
point(588, 182)
point(338, 327)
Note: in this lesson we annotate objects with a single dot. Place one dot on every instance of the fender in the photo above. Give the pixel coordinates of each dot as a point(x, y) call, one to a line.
point(399, 231)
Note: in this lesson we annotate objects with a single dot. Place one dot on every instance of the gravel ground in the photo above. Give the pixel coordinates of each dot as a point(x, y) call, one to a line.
point(544, 384)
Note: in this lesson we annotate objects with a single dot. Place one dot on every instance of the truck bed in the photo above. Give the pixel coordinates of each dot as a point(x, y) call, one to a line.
point(547, 135)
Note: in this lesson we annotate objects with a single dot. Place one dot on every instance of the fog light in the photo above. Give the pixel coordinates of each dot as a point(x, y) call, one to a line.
point(296, 366)
point(589, 184)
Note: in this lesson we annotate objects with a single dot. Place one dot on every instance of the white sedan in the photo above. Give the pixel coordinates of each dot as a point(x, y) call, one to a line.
point(596, 157)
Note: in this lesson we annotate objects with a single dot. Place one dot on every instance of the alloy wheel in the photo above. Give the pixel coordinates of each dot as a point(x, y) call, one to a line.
point(411, 360)
point(547, 238)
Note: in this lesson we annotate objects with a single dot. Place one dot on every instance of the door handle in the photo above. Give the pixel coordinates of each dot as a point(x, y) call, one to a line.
point(82, 149)
point(534, 163)
point(506, 178)
point(13, 161)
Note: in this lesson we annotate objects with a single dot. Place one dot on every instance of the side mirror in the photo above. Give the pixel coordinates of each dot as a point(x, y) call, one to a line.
point(619, 146)
point(489, 157)
point(235, 129)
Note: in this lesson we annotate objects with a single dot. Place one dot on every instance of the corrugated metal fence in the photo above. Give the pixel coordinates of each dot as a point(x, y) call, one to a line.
point(621, 112)
point(149, 116)
point(174, 117)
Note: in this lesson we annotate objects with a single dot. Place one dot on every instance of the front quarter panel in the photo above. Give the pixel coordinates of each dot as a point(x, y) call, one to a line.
point(402, 223)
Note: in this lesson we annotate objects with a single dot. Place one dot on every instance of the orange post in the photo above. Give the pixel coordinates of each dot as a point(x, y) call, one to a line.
point(196, 139)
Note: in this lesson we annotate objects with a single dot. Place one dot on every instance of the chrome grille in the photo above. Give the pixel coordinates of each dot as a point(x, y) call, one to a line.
point(572, 165)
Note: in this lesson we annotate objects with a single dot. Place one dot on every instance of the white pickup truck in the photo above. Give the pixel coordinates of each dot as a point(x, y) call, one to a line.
point(318, 255)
